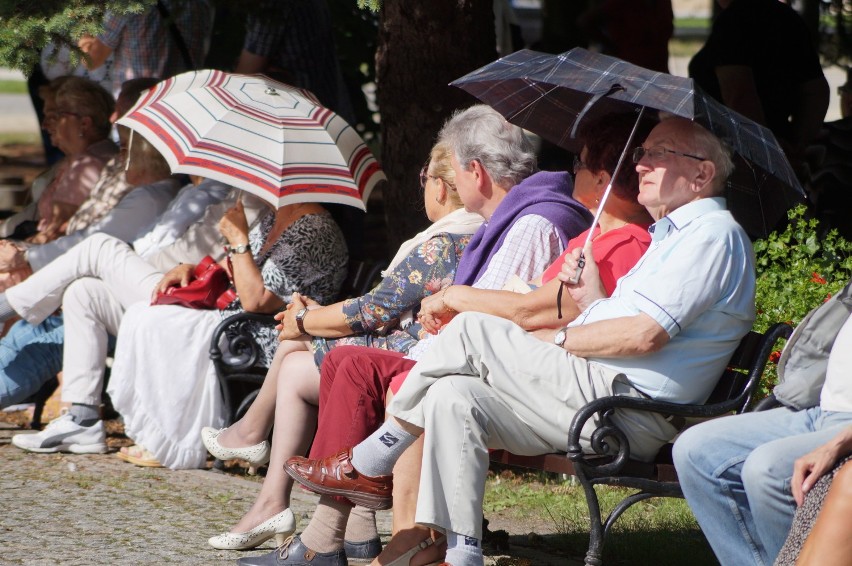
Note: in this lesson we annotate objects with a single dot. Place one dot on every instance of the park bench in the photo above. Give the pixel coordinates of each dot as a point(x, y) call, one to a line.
point(240, 378)
point(238, 367)
point(610, 464)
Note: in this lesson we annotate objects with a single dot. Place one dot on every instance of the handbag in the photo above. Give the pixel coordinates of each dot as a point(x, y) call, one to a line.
point(210, 287)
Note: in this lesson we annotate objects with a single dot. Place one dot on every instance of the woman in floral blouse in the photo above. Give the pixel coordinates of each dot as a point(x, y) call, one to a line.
point(383, 318)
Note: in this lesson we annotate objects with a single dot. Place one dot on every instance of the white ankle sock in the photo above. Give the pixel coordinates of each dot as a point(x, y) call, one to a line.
point(377, 455)
point(463, 550)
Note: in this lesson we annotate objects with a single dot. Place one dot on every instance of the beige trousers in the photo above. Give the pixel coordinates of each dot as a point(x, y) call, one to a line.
point(486, 383)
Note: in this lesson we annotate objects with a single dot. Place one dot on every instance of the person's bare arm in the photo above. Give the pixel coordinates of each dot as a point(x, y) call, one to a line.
point(530, 311)
point(623, 337)
point(830, 541)
point(95, 50)
point(813, 465)
point(810, 111)
point(327, 322)
point(739, 91)
point(251, 64)
point(248, 280)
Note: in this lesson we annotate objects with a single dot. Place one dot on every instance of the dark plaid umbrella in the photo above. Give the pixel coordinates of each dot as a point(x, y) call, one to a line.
point(551, 94)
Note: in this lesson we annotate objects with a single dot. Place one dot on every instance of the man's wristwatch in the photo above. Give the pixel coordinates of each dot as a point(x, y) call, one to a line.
point(241, 249)
point(300, 320)
point(559, 339)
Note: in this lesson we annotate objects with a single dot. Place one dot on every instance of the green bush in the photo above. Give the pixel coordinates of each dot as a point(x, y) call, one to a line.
point(797, 269)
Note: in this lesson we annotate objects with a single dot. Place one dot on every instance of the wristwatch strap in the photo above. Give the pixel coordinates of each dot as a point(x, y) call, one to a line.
point(300, 321)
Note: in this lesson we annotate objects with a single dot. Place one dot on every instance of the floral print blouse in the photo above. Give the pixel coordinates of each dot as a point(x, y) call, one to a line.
point(386, 316)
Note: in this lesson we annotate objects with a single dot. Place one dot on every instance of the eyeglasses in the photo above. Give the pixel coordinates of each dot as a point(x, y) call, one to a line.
point(579, 165)
point(657, 153)
point(844, 89)
point(425, 176)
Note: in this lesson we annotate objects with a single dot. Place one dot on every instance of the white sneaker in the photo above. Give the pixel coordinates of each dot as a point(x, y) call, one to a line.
point(62, 434)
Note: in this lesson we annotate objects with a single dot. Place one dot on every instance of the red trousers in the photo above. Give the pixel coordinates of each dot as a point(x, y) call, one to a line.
point(353, 385)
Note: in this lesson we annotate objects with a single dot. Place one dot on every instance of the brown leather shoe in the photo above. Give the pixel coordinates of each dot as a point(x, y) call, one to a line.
point(334, 475)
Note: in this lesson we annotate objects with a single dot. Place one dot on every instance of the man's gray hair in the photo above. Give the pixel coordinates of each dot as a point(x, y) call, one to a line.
point(704, 143)
point(481, 134)
point(717, 151)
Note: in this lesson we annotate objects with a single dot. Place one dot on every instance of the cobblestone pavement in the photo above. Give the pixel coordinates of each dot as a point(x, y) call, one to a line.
point(97, 510)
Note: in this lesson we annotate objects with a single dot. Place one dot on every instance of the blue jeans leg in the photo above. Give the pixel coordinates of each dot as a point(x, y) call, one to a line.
point(29, 357)
point(768, 470)
point(710, 458)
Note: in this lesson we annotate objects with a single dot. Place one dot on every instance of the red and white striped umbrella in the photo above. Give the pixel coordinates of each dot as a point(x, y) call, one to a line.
point(270, 139)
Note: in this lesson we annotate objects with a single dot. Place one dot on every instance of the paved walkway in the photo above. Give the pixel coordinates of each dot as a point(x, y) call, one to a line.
point(97, 510)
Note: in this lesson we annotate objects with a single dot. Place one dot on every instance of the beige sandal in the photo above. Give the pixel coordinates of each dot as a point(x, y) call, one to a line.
point(139, 456)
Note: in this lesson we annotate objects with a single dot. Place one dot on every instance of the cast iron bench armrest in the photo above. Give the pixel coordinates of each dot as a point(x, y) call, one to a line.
point(242, 350)
point(733, 393)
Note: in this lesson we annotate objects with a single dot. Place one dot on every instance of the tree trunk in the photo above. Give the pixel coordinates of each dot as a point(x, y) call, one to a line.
point(423, 45)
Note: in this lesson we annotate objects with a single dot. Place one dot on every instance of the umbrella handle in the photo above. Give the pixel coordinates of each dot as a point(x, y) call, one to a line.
point(581, 263)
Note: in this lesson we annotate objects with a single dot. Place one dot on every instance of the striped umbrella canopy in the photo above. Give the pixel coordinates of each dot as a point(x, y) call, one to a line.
point(256, 134)
point(551, 95)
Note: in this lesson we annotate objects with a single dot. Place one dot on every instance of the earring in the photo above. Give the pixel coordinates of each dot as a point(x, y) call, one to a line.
point(80, 135)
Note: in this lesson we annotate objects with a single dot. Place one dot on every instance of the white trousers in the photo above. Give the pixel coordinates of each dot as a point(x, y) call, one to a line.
point(94, 282)
point(486, 383)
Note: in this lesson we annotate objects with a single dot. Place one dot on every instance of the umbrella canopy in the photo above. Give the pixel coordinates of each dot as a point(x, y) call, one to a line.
point(551, 94)
point(270, 139)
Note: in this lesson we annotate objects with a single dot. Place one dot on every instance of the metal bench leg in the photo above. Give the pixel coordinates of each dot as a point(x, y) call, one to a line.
point(596, 529)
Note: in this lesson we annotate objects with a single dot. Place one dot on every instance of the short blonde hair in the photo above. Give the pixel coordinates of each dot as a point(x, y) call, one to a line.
point(143, 156)
point(440, 166)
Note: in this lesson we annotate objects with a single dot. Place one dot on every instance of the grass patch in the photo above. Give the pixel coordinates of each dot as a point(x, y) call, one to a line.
point(657, 531)
point(685, 46)
point(13, 87)
point(692, 23)
point(20, 138)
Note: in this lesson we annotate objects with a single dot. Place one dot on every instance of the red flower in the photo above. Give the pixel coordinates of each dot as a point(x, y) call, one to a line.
point(816, 278)
point(775, 356)
point(827, 297)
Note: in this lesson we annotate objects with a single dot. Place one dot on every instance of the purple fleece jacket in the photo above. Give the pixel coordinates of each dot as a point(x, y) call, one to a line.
point(546, 194)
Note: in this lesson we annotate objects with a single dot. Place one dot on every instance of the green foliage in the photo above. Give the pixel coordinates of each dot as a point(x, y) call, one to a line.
point(27, 26)
point(372, 5)
point(797, 269)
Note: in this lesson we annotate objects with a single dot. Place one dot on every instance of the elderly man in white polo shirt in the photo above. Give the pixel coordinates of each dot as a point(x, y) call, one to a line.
point(667, 332)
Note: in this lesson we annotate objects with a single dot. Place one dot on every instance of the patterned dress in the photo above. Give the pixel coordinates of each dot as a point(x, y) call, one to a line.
point(385, 317)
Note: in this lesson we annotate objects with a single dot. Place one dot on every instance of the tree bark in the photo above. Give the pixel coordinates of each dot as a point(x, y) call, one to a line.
point(423, 45)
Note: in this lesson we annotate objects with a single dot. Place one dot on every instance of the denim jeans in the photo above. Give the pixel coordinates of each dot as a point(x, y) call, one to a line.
point(29, 357)
point(735, 473)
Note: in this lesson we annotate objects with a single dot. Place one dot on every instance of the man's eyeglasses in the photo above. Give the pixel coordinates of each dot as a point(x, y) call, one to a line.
point(657, 153)
point(579, 165)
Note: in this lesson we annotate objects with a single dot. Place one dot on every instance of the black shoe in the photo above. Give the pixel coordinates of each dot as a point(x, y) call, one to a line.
point(358, 552)
point(294, 553)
